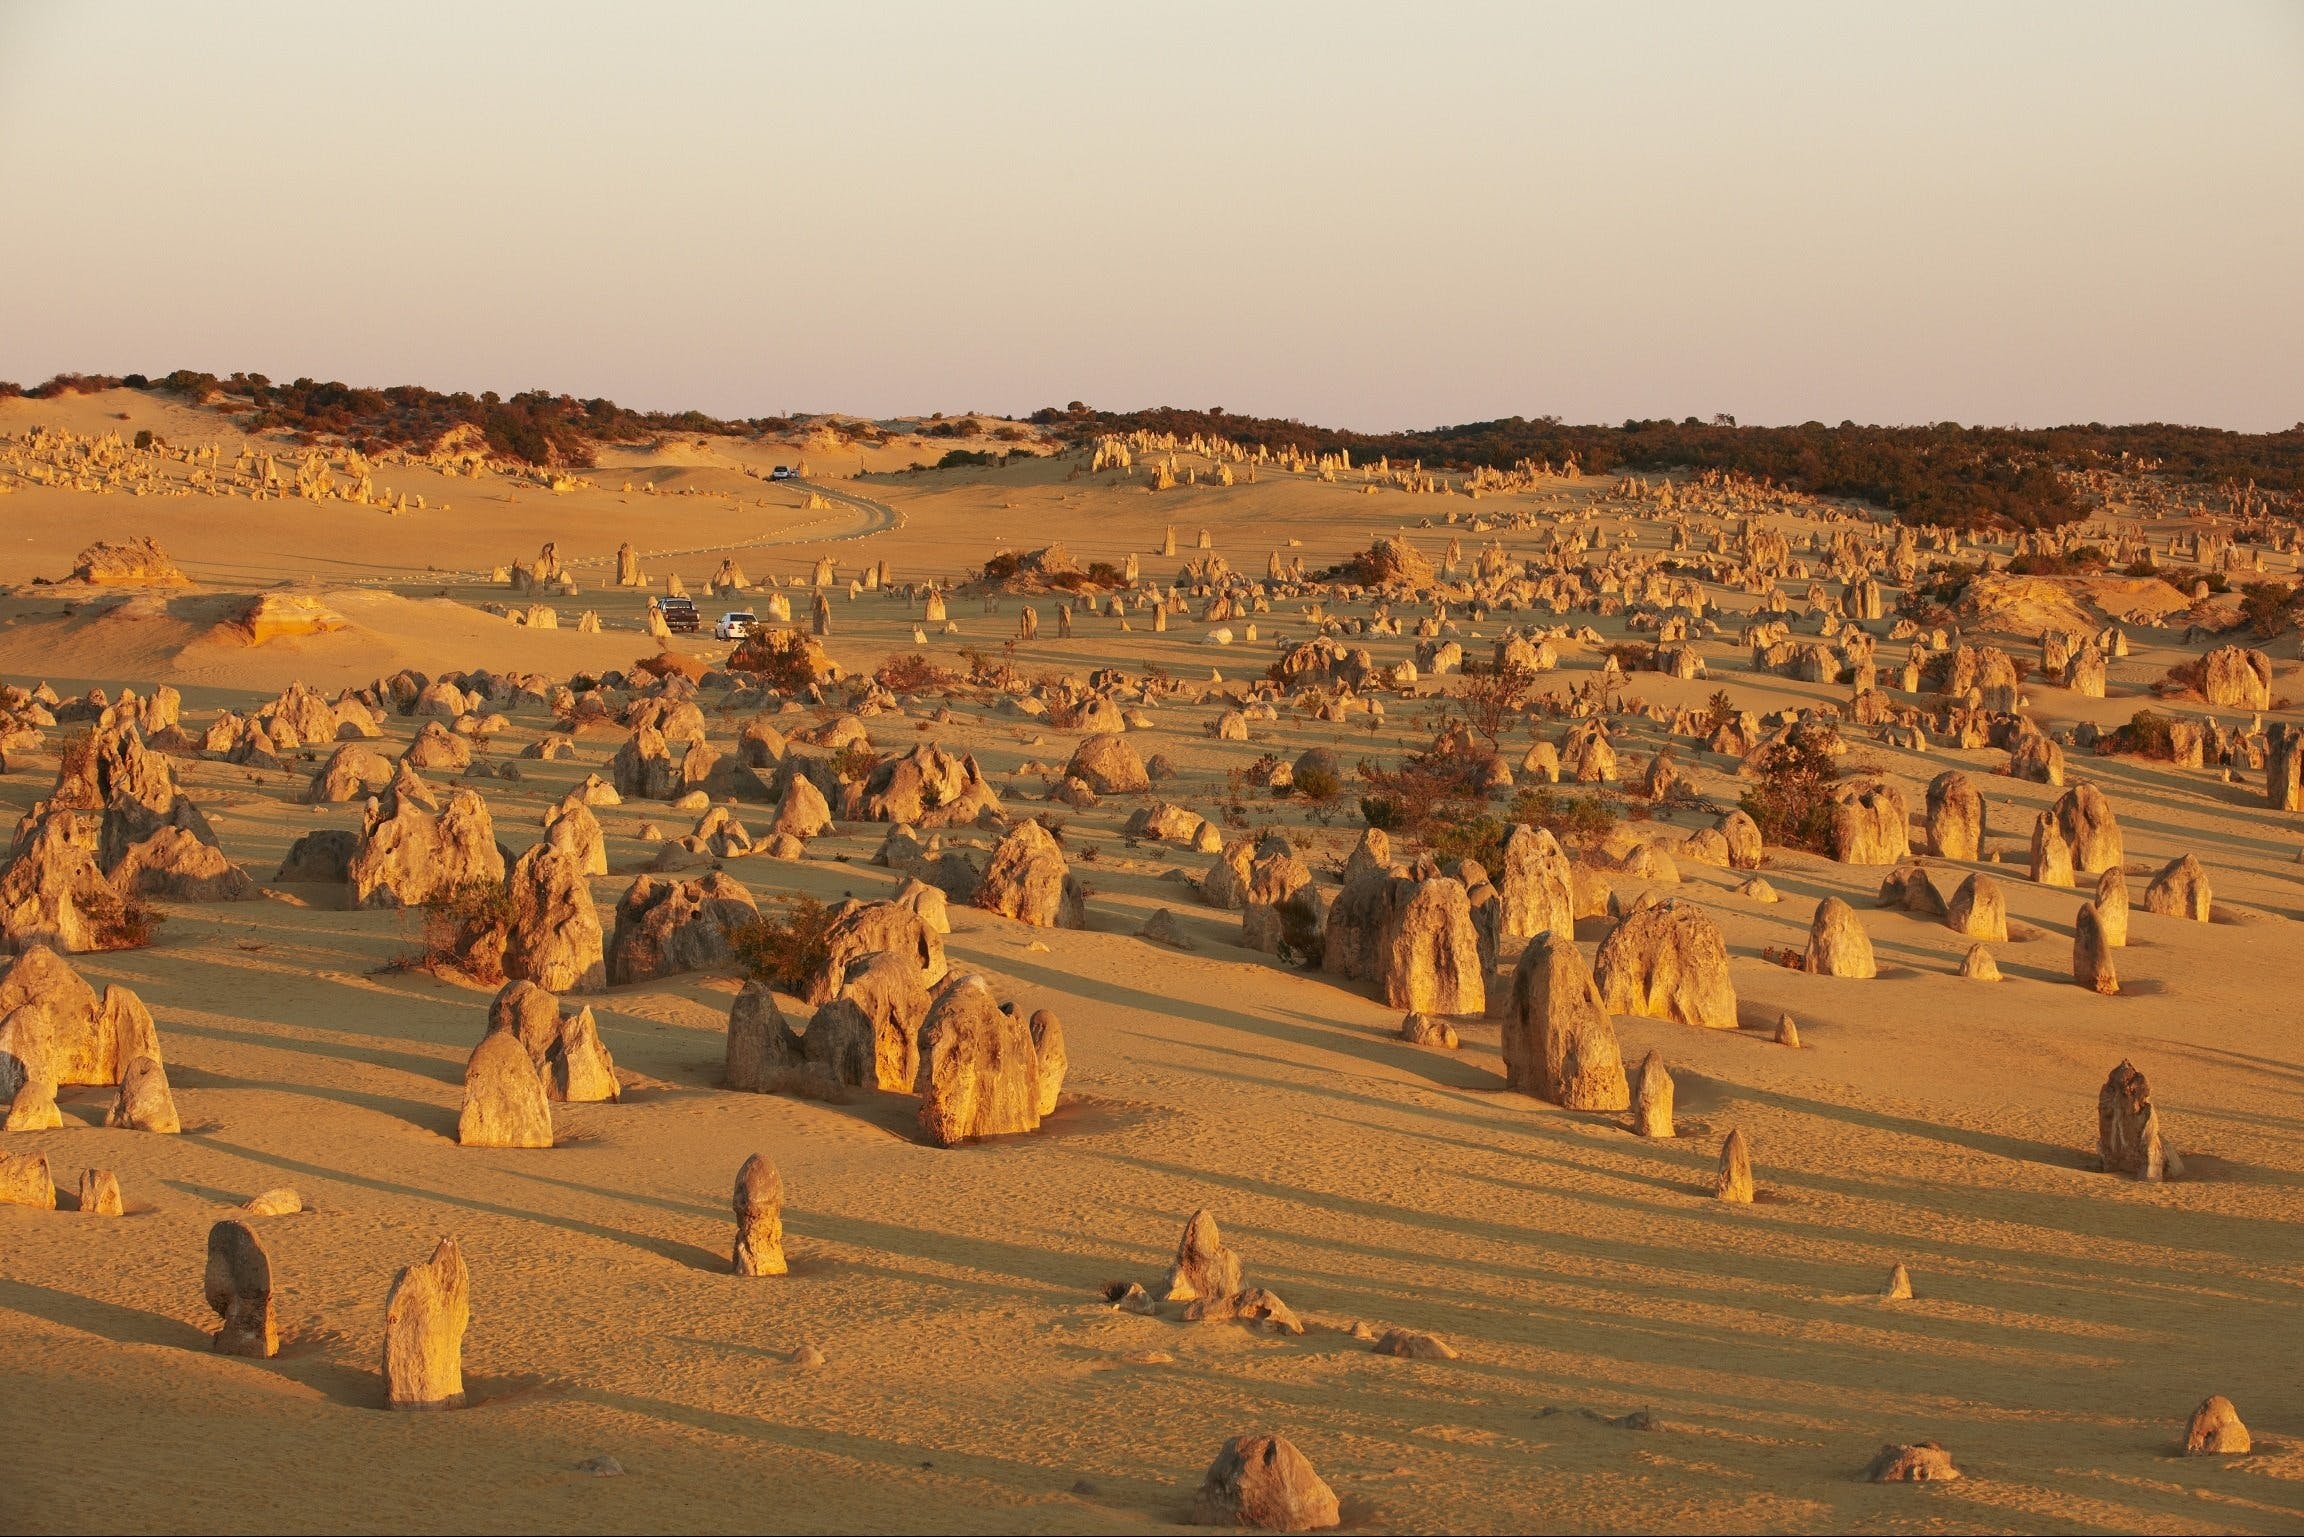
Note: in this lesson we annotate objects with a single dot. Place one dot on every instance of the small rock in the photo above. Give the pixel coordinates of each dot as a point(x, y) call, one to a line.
point(1787, 1032)
point(100, 1193)
point(2215, 1430)
point(1923, 1463)
point(1899, 1288)
point(281, 1202)
point(1162, 929)
point(807, 1355)
point(1263, 1481)
point(1428, 1030)
point(1978, 966)
point(1414, 1345)
point(1734, 1182)
point(601, 1467)
point(1133, 1298)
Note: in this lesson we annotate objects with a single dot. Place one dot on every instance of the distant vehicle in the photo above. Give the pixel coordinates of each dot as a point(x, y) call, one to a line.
point(680, 616)
point(734, 626)
point(782, 472)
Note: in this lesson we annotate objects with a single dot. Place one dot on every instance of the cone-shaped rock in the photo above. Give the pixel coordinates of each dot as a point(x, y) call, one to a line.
point(504, 1100)
point(425, 1315)
point(2091, 956)
point(2215, 1430)
point(144, 1103)
point(1559, 1043)
point(1205, 1270)
point(1668, 962)
point(1837, 943)
point(1652, 1104)
point(1264, 1482)
point(1734, 1182)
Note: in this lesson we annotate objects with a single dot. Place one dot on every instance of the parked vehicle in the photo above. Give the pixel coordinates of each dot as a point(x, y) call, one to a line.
point(680, 616)
point(782, 472)
point(734, 626)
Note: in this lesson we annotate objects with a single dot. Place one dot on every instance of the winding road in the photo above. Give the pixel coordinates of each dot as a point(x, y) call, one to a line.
point(868, 517)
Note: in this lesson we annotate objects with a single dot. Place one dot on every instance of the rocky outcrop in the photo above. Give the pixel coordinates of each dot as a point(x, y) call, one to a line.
point(53, 894)
point(1955, 817)
point(1205, 1269)
point(2084, 816)
point(2051, 855)
point(1558, 1042)
point(1668, 962)
point(174, 865)
point(927, 787)
point(859, 929)
point(552, 936)
point(409, 856)
point(979, 1073)
point(144, 1103)
point(2232, 678)
point(1652, 1100)
point(2181, 890)
point(2215, 1430)
point(1029, 881)
point(54, 1024)
point(354, 771)
point(1356, 917)
point(1109, 765)
point(1734, 1180)
point(2129, 1137)
point(1265, 1482)
point(1870, 825)
point(1535, 890)
point(425, 1315)
point(666, 926)
point(238, 1286)
point(1837, 943)
point(504, 1100)
point(1428, 956)
point(1979, 909)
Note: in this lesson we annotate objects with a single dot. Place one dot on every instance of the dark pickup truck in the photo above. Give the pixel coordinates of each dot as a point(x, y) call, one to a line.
point(680, 616)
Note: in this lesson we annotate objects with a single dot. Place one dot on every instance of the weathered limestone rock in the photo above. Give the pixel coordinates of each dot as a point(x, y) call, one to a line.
point(2051, 855)
point(144, 1103)
point(1414, 1345)
point(1652, 1106)
point(1110, 766)
point(436, 747)
point(1870, 825)
point(759, 1206)
point(354, 771)
point(1979, 909)
point(1668, 962)
point(1837, 943)
point(1428, 954)
point(1910, 888)
point(803, 812)
point(53, 894)
point(1205, 1269)
point(530, 1014)
point(859, 929)
point(2091, 957)
point(756, 1059)
point(238, 1286)
point(425, 1315)
point(553, 935)
point(1536, 889)
point(2112, 907)
point(1356, 917)
point(321, 858)
point(280, 1201)
point(409, 857)
point(65, 1034)
point(2129, 1138)
point(979, 1075)
point(1029, 881)
point(1978, 966)
point(1743, 838)
point(26, 1090)
point(582, 1072)
point(1050, 1061)
point(100, 1193)
point(927, 787)
point(2181, 890)
point(1899, 1287)
point(1922, 1462)
point(575, 832)
point(643, 768)
point(1428, 1030)
point(669, 926)
point(1559, 1044)
point(1254, 1306)
point(2235, 679)
point(504, 1100)
point(1955, 817)
point(25, 1181)
point(1264, 1482)
point(1787, 1031)
point(1734, 1182)
point(2215, 1430)
point(2084, 816)
point(174, 865)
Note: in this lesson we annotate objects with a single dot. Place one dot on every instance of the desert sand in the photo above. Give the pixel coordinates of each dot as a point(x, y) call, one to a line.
point(1631, 1353)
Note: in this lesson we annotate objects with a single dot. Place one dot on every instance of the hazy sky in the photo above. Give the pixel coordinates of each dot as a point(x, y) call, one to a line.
point(1362, 215)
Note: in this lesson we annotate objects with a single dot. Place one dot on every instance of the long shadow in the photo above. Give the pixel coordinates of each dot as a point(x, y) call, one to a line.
point(436, 1069)
point(678, 1253)
point(107, 1320)
point(432, 1118)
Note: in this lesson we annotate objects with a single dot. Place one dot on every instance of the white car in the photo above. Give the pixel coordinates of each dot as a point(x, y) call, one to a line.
point(734, 626)
point(782, 472)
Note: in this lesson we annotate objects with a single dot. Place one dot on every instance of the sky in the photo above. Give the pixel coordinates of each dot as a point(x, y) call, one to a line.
point(1358, 215)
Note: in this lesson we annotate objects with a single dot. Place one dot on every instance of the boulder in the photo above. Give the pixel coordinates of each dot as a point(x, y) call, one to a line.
point(2215, 1430)
point(1110, 766)
point(2084, 816)
point(1734, 1181)
point(1205, 1269)
point(802, 812)
point(504, 1099)
point(320, 858)
point(1356, 917)
point(1535, 890)
point(410, 857)
point(667, 926)
point(26, 1181)
point(53, 894)
point(1910, 888)
point(1028, 880)
point(1922, 1462)
point(354, 771)
point(54, 1023)
point(530, 1014)
point(2232, 678)
point(858, 929)
point(643, 767)
point(581, 1071)
point(575, 831)
point(1668, 962)
point(1264, 1482)
point(2051, 855)
point(1428, 1030)
point(2181, 890)
point(99, 1193)
point(552, 936)
point(1742, 836)
point(1955, 817)
point(979, 1073)
point(2091, 957)
point(1978, 966)
point(238, 1286)
point(436, 747)
point(759, 1204)
point(1979, 909)
point(174, 865)
point(1559, 1044)
point(1050, 1061)
point(144, 1103)
point(1837, 943)
point(425, 1315)
point(1428, 956)
point(1870, 824)
point(2129, 1138)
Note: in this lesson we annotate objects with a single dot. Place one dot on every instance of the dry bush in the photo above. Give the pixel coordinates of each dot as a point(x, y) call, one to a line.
point(1792, 803)
point(463, 934)
point(913, 673)
point(787, 950)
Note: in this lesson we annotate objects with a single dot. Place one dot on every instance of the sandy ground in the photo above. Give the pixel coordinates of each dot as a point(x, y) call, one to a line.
point(2066, 1321)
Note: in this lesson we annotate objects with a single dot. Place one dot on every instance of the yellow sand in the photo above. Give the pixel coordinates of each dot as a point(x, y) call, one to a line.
point(2065, 1322)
